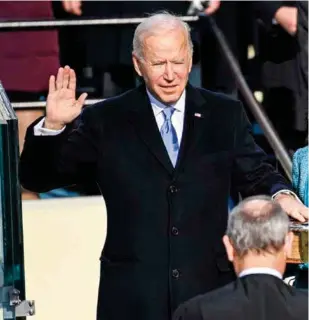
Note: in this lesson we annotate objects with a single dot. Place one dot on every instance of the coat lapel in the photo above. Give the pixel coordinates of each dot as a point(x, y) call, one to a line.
point(142, 118)
point(196, 116)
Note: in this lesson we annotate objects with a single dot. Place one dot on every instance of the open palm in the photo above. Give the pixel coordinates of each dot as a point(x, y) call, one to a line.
point(62, 106)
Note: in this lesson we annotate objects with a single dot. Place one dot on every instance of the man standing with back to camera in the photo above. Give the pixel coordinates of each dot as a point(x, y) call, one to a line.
point(257, 242)
point(164, 156)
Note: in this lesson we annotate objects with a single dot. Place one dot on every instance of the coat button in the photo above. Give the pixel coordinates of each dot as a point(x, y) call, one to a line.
point(175, 274)
point(175, 231)
point(173, 189)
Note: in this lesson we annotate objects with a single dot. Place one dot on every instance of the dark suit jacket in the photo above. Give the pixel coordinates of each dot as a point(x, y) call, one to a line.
point(253, 297)
point(165, 225)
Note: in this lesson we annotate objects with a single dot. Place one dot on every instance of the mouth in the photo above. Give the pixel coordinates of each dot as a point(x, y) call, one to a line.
point(169, 87)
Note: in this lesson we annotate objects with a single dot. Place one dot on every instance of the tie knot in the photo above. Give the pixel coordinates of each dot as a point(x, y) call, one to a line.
point(168, 112)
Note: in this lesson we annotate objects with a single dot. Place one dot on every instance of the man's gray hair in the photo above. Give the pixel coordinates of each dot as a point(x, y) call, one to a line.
point(156, 24)
point(258, 224)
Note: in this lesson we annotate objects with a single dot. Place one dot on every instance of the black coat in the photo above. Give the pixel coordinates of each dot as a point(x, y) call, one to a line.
point(254, 297)
point(165, 225)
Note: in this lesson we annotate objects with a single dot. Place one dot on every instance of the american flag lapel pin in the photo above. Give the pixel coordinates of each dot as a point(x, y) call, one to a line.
point(198, 115)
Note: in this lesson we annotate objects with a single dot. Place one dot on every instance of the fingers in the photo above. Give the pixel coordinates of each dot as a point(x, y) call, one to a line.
point(297, 216)
point(301, 213)
point(66, 76)
point(293, 207)
point(59, 79)
point(72, 80)
point(52, 84)
point(304, 212)
point(81, 100)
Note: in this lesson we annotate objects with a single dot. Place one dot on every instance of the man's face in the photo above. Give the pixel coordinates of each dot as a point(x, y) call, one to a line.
point(165, 65)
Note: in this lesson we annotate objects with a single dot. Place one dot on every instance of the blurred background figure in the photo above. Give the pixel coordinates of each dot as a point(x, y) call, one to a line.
point(278, 54)
point(264, 37)
point(107, 50)
point(27, 59)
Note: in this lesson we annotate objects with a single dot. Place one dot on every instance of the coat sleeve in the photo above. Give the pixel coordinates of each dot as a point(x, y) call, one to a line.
point(49, 162)
point(252, 172)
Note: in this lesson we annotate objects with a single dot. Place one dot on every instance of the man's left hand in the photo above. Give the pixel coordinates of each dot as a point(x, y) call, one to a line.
point(294, 208)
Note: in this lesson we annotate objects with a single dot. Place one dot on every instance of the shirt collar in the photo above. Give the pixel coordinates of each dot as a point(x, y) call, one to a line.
point(261, 270)
point(158, 106)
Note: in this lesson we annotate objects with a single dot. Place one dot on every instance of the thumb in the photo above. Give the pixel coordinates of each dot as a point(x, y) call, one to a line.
point(81, 100)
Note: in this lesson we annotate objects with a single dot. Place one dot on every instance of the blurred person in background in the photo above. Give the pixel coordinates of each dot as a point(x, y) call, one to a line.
point(27, 58)
point(279, 50)
point(108, 48)
point(231, 17)
point(271, 26)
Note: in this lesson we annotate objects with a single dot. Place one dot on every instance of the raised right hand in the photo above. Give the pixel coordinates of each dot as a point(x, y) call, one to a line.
point(62, 106)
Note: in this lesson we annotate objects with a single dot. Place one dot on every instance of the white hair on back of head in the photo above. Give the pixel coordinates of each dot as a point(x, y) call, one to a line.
point(257, 224)
point(157, 24)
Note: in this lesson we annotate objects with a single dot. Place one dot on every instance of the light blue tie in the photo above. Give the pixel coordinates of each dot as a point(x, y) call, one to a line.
point(169, 135)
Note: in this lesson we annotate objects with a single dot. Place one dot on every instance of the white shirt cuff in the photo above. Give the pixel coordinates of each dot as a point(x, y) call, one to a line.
point(38, 130)
point(286, 191)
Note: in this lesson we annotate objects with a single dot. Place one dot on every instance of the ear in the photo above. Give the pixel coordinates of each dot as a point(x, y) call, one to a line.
point(136, 63)
point(288, 244)
point(228, 248)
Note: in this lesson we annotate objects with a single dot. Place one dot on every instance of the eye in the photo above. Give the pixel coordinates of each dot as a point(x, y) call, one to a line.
point(158, 64)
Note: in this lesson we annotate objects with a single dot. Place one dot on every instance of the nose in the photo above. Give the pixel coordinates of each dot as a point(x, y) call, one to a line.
point(169, 72)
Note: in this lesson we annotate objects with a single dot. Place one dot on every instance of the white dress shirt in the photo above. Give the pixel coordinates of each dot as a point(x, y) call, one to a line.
point(260, 270)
